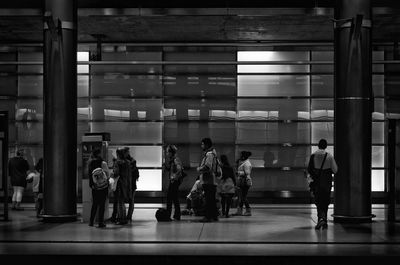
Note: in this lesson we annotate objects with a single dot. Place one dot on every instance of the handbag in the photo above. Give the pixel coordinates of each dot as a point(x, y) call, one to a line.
point(312, 182)
point(249, 182)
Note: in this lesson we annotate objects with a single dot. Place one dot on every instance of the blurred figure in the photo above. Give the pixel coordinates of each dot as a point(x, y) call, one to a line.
point(173, 166)
point(37, 187)
point(134, 179)
point(227, 185)
point(98, 182)
point(244, 182)
point(321, 167)
point(18, 168)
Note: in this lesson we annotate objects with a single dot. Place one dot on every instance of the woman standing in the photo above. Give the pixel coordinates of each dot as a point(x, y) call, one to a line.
point(244, 182)
point(123, 191)
point(173, 166)
point(227, 185)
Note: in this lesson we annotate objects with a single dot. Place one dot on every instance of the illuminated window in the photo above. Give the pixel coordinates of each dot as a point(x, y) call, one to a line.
point(149, 180)
point(83, 57)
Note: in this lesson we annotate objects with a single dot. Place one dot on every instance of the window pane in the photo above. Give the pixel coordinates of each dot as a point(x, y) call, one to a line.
point(193, 132)
point(149, 180)
point(8, 85)
point(30, 57)
point(276, 156)
point(128, 56)
point(322, 56)
point(378, 156)
point(199, 109)
point(130, 132)
point(29, 132)
point(8, 57)
point(126, 109)
point(278, 180)
point(83, 86)
point(379, 109)
point(322, 86)
point(270, 132)
point(83, 109)
point(200, 56)
point(273, 85)
point(322, 109)
point(272, 56)
point(126, 85)
point(378, 83)
point(378, 129)
point(29, 109)
point(30, 85)
point(273, 109)
point(322, 130)
point(378, 56)
point(145, 156)
point(200, 85)
point(8, 105)
point(83, 68)
point(378, 180)
point(82, 128)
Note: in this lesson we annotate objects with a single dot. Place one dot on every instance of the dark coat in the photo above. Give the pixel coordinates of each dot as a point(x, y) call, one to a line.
point(17, 170)
point(122, 170)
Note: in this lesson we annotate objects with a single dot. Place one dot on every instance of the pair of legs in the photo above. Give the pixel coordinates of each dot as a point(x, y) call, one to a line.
point(131, 207)
point(99, 201)
point(173, 197)
point(38, 202)
point(226, 201)
point(211, 211)
point(243, 201)
point(18, 192)
point(322, 200)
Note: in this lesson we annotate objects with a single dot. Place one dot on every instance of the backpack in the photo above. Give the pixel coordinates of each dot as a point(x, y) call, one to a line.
point(100, 180)
point(218, 167)
point(162, 215)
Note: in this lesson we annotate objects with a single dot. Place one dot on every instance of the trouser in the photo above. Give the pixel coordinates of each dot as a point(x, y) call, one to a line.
point(226, 201)
point(322, 200)
point(131, 207)
point(99, 201)
point(38, 202)
point(18, 192)
point(173, 197)
point(243, 191)
point(211, 211)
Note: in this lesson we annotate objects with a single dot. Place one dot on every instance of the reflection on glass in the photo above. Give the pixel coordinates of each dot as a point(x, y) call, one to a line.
point(272, 56)
point(378, 156)
point(270, 132)
point(273, 85)
point(29, 109)
point(322, 130)
point(378, 129)
point(29, 132)
point(126, 132)
point(115, 84)
point(379, 109)
point(83, 56)
point(149, 180)
point(145, 156)
point(83, 86)
point(126, 109)
point(30, 85)
point(322, 85)
point(377, 180)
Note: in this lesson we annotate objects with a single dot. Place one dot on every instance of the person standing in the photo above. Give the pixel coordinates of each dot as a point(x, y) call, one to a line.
point(37, 187)
point(227, 185)
point(244, 182)
point(320, 167)
point(123, 192)
point(134, 179)
point(98, 182)
point(173, 166)
point(18, 168)
point(207, 170)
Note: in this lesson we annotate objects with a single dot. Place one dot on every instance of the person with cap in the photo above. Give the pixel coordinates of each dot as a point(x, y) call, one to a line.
point(244, 182)
point(18, 168)
point(173, 167)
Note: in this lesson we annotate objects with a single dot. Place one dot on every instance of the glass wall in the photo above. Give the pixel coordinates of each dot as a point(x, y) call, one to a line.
point(278, 112)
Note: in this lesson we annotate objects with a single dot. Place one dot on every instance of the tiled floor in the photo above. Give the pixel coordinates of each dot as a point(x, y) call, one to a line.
point(272, 231)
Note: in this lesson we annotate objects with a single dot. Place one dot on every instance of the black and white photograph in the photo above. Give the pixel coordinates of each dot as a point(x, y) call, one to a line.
point(230, 132)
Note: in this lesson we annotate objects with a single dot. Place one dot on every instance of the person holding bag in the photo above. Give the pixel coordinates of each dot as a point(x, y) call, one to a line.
point(244, 182)
point(320, 167)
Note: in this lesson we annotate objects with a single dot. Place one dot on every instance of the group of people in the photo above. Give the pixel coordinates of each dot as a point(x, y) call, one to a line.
point(20, 175)
point(217, 179)
point(121, 182)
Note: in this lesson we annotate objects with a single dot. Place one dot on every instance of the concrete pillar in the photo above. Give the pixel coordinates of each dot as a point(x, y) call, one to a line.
point(353, 108)
point(60, 117)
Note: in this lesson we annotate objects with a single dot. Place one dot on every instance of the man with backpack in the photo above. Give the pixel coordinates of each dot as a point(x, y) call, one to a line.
point(209, 171)
point(98, 182)
point(320, 167)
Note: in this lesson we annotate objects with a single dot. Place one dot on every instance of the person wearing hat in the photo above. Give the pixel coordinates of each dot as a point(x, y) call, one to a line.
point(244, 182)
point(18, 168)
point(173, 167)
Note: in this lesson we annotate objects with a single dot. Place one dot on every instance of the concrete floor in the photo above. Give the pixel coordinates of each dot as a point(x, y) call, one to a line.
point(274, 231)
